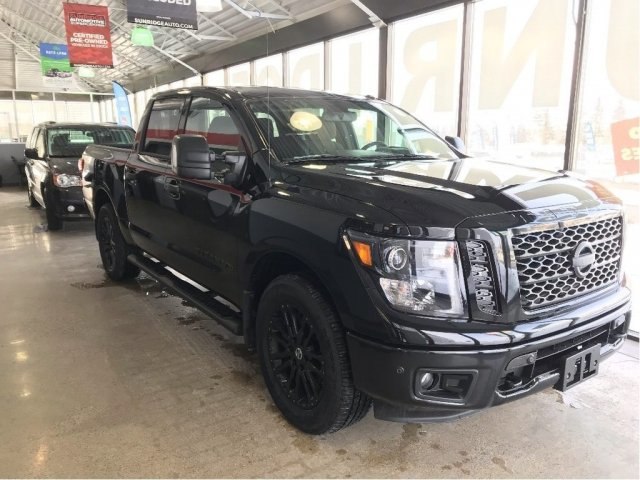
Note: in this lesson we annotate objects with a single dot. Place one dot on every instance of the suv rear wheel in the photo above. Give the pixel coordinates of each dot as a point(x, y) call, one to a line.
point(304, 358)
point(113, 248)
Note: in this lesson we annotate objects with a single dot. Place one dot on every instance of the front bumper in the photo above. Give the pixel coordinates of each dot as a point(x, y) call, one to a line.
point(69, 203)
point(494, 375)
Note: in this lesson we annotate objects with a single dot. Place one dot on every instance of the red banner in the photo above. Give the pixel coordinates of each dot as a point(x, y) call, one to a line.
point(88, 35)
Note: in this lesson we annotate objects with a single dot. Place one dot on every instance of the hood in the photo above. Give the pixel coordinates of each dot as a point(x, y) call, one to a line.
point(445, 193)
point(68, 165)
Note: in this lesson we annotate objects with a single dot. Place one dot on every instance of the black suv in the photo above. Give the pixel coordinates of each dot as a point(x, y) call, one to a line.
point(52, 153)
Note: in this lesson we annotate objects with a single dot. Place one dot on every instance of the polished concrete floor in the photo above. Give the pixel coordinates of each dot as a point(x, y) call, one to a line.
point(108, 380)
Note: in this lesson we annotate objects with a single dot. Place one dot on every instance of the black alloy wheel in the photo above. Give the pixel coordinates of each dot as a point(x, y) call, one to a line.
point(304, 359)
point(107, 243)
point(295, 356)
point(113, 248)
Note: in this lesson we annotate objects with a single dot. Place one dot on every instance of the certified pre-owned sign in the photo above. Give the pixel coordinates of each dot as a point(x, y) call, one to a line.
point(163, 13)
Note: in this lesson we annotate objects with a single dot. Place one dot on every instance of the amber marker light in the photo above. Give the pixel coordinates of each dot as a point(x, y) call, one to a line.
point(363, 250)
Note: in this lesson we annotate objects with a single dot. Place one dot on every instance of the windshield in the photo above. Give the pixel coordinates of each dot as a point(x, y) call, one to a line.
point(71, 142)
point(324, 127)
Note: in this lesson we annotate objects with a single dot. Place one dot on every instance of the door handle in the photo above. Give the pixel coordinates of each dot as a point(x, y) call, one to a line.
point(172, 187)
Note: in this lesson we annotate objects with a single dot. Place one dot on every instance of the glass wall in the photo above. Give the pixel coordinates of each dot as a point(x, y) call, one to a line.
point(239, 75)
point(425, 67)
point(520, 80)
point(195, 81)
point(214, 79)
point(269, 71)
point(7, 117)
point(43, 107)
point(354, 63)
point(30, 108)
point(78, 107)
point(306, 67)
point(608, 127)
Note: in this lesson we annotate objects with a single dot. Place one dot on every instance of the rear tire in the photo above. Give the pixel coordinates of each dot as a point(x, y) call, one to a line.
point(54, 222)
point(113, 248)
point(304, 359)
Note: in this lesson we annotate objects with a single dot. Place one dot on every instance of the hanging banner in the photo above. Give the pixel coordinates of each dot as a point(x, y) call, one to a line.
point(88, 35)
point(163, 13)
point(122, 105)
point(54, 63)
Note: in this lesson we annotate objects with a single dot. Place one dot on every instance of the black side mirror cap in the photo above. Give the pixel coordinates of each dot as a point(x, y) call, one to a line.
point(456, 142)
point(237, 163)
point(31, 153)
point(190, 157)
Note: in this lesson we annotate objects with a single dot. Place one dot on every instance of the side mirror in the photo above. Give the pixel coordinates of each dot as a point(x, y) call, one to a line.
point(31, 153)
point(455, 142)
point(237, 163)
point(190, 157)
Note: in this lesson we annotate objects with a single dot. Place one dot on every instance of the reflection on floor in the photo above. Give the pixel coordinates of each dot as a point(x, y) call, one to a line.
point(107, 380)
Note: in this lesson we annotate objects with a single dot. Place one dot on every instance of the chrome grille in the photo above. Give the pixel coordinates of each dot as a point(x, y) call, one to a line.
point(544, 261)
point(482, 277)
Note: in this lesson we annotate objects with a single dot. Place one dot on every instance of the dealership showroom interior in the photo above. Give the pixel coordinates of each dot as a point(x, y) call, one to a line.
point(319, 238)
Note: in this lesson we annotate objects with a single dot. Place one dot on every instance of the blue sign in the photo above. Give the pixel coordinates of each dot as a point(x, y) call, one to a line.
point(122, 105)
point(55, 51)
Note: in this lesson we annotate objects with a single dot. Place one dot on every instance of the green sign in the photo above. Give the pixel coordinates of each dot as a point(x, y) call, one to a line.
point(54, 61)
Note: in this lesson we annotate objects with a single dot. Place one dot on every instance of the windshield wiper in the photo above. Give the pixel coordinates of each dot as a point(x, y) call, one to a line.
point(323, 157)
point(407, 156)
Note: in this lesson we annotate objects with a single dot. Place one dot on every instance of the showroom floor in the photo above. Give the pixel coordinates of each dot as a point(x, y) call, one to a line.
point(99, 379)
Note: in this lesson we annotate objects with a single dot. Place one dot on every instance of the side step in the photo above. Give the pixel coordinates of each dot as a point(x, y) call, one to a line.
point(203, 301)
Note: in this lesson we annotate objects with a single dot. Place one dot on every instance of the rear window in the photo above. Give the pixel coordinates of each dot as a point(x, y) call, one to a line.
point(71, 142)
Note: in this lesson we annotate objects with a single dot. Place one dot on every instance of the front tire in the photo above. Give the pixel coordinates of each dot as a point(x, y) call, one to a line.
point(304, 358)
point(54, 222)
point(113, 248)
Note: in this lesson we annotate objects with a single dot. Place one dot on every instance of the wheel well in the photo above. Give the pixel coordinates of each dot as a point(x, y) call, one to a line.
point(266, 270)
point(101, 199)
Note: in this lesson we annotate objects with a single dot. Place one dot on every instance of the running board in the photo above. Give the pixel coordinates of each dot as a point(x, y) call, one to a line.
point(203, 301)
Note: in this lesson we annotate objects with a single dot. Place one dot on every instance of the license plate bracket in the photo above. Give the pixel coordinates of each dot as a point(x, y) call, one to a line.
point(579, 367)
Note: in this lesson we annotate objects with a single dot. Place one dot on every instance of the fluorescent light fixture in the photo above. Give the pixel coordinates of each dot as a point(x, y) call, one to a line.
point(86, 72)
point(209, 5)
point(142, 37)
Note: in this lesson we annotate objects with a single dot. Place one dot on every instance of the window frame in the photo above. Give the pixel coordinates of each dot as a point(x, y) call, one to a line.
point(164, 160)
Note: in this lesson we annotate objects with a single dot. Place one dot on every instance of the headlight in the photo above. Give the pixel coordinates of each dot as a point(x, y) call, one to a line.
point(65, 181)
point(417, 276)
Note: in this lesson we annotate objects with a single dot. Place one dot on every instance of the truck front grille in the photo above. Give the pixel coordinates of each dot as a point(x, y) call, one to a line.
point(545, 261)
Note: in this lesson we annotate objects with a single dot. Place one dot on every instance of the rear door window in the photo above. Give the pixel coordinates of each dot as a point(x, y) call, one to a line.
point(163, 125)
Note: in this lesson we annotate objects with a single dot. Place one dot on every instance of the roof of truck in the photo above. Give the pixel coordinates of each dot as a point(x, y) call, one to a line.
point(251, 93)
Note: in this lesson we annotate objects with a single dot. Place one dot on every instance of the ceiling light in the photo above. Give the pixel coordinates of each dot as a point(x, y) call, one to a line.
point(209, 5)
point(142, 36)
point(86, 72)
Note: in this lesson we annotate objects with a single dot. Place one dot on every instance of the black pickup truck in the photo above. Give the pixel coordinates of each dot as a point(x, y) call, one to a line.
point(51, 165)
point(362, 256)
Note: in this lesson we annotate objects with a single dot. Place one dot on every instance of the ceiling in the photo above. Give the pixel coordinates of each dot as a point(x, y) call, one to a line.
point(25, 23)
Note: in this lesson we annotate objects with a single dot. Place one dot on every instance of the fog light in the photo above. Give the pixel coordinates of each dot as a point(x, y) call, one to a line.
point(71, 208)
point(427, 380)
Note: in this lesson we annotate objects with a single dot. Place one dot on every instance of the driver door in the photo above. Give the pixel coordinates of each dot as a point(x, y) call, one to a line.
point(212, 214)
